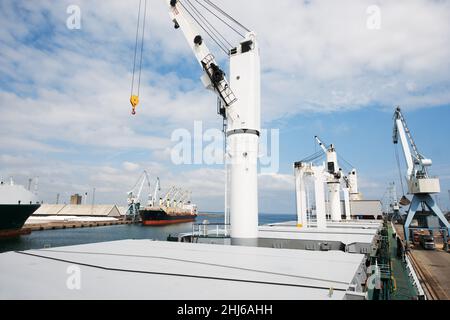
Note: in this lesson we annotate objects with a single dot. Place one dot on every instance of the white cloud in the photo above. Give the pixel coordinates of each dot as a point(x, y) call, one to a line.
point(130, 166)
point(67, 91)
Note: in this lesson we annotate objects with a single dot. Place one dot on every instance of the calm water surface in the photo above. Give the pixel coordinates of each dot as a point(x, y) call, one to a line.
point(67, 237)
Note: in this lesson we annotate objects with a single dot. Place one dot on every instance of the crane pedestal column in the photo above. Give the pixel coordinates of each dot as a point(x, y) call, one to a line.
point(335, 201)
point(319, 190)
point(243, 132)
point(347, 203)
point(243, 153)
point(300, 192)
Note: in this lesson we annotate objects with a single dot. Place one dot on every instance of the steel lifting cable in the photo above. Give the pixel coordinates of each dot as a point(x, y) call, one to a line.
point(142, 46)
point(346, 162)
point(399, 169)
point(204, 29)
point(209, 26)
point(136, 46)
point(209, 23)
point(226, 15)
point(313, 157)
point(219, 18)
point(137, 182)
point(134, 100)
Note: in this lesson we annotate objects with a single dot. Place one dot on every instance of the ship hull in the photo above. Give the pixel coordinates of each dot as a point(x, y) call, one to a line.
point(13, 217)
point(159, 217)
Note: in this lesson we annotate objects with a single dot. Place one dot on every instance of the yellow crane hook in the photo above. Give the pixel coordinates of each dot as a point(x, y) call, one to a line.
point(138, 55)
point(134, 103)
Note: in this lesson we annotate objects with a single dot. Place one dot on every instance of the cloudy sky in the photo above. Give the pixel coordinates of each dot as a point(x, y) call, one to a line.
point(65, 115)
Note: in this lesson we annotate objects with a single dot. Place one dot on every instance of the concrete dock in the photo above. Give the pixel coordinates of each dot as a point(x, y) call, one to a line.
point(57, 225)
point(432, 267)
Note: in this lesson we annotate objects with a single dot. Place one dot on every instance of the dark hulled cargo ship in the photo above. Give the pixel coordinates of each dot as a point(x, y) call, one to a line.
point(161, 216)
point(17, 204)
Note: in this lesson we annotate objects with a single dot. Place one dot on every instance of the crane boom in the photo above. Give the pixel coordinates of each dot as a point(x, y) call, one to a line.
point(332, 163)
point(320, 143)
point(155, 192)
point(213, 77)
point(400, 132)
point(417, 164)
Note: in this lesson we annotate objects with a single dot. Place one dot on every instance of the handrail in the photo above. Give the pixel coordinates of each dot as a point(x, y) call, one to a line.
point(203, 230)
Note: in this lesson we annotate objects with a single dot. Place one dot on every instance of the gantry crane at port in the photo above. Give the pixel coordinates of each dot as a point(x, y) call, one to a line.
point(134, 197)
point(420, 184)
point(153, 198)
point(238, 103)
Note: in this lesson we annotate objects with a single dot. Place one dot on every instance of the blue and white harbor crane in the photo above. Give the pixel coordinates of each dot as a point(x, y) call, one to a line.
point(420, 184)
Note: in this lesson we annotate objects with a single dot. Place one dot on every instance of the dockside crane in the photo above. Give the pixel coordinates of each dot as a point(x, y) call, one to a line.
point(134, 197)
point(154, 196)
point(238, 103)
point(420, 184)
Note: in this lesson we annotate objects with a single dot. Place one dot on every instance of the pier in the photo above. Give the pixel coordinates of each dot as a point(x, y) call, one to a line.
point(432, 268)
point(57, 225)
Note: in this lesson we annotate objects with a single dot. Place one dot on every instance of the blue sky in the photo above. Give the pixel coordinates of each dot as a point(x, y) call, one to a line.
point(66, 116)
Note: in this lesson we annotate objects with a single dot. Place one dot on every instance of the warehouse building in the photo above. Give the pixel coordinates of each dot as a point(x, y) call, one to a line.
point(111, 211)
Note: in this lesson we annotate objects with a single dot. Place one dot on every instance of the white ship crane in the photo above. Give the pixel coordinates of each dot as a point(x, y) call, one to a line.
point(176, 197)
point(306, 169)
point(240, 106)
point(239, 103)
point(352, 178)
point(184, 198)
point(167, 199)
point(333, 180)
point(420, 185)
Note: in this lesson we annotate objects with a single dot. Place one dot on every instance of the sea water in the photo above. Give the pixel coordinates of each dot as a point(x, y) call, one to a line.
point(68, 237)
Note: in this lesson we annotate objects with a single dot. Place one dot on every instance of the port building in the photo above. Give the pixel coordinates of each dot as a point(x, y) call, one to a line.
point(46, 210)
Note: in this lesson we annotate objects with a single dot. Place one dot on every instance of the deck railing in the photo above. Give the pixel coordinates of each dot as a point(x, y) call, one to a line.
point(211, 230)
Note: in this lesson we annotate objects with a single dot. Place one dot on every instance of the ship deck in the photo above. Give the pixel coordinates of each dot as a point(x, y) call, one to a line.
point(165, 270)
